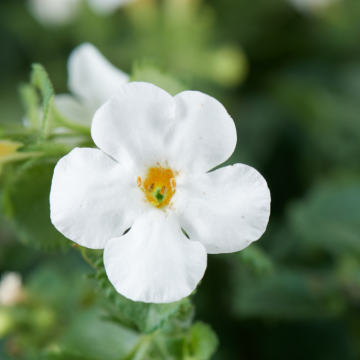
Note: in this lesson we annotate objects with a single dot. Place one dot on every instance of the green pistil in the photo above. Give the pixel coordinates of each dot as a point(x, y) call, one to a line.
point(158, 196)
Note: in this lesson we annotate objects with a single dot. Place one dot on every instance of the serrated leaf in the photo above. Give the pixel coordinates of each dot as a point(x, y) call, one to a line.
point(26, 199)
point(203, 342)
point(149, 72)
point(31, 103)
point(145, 317)
point(41, 81)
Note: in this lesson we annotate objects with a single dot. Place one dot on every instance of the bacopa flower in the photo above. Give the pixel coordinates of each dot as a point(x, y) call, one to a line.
point(151, 175)
point(92, 80)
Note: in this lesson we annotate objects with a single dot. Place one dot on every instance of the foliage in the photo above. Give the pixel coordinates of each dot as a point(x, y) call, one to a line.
point(290, 80)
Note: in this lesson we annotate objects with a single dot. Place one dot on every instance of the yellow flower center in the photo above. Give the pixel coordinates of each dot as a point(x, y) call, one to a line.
point(159, 186)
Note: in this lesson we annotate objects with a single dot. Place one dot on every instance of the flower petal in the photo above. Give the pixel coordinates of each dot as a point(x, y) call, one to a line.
point(72, 109)
point(225, 209)
point(93, 198)
point(92, 77)
point(132, 125)
point(106, 7)
point(204, 135)
point(155, 262)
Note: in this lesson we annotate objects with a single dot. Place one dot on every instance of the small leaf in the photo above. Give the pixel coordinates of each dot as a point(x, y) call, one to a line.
point(254, 257)
point(95, 338)
point(41, 81)
point(26, 200)
point(145, 317)
point(203, 342)
point(31, 103)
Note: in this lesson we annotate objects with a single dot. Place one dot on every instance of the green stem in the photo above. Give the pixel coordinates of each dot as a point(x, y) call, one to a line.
point(82, 129)
point(86, 258)
point(142, 347)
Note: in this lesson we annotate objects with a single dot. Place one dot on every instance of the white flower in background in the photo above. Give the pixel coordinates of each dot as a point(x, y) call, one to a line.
point(11, 291)
point(92, 80)
point(311, 5)
point(151, 175)
point(54, 12)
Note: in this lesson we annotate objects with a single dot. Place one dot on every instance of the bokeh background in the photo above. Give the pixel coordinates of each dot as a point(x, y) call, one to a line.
point(288, 73)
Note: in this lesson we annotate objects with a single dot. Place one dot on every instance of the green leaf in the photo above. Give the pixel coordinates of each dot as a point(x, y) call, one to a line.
point(145, 317)
point(149, 72)
point(254, 257)
point(328, 218)
point(40, 80)
point(203, 342)
point(31, 103)
point(26, 201)
point(291, 294)
point(95, 338)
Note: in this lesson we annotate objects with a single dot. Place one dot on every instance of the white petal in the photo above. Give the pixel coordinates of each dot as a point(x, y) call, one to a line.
point(106, 7)
point(204, 135)
point(93, 198)
point(132, 125)
point(54, 12)
point(92, 77)
point(72, 109)
point(225, 209)
point(155, 262)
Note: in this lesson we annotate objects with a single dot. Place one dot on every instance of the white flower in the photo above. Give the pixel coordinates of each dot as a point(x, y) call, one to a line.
point(54, 12)
point(311, 5)
point(92, 80)
point(11, 291)
point(151, 175)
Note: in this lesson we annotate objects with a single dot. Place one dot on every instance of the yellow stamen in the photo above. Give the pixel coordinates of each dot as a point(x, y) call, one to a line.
point(159, 186)
point(173, 184)
point(139, 181)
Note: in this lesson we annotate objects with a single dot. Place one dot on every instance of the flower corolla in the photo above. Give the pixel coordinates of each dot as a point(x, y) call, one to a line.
point(151, 175)
point(92, 80)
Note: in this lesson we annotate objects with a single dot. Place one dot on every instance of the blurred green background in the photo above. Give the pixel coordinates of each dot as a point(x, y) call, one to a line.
point(290, 78)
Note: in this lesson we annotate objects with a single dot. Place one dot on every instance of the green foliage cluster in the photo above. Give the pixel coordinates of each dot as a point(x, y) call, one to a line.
point(50, 324)
point(290, 80)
